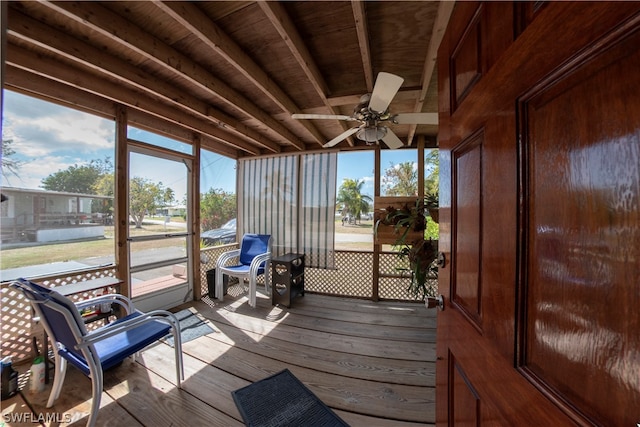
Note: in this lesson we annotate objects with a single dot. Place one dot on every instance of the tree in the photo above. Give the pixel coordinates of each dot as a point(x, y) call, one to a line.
point(432, 167)
point(105, 187)
point(431, 188)
point(78, 178)
point(9, 164)
point(401, 179)
point(350, 195)
point(216, 208)
point(145, 197)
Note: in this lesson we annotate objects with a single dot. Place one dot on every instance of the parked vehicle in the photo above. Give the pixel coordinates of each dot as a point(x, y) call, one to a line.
point(220, 236)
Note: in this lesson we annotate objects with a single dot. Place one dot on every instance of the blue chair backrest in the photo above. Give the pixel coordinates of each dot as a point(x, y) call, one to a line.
point(59, 314)
point(252, 245)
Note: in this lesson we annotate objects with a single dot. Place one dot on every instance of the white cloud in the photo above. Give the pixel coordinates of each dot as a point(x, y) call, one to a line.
point(48, 138)
point(65, 131)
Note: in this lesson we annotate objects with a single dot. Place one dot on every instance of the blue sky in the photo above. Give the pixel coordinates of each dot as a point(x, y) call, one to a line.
point(48, 138)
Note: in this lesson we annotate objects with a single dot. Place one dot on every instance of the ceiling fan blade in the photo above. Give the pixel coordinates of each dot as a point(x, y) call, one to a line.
point(392, 140)
point(322, 116)
point(386, 87)
point(416, 119)
point(347, 133)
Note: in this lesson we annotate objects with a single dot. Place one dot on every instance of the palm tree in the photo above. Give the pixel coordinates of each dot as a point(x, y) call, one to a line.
point(354, 203)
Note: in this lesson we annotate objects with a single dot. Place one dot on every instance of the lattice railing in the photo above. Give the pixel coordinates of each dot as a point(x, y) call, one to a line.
point(352, 276)
point(17, 328)
point(208, 261)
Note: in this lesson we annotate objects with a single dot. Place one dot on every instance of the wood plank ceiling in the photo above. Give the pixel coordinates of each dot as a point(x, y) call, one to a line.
point(231, 72)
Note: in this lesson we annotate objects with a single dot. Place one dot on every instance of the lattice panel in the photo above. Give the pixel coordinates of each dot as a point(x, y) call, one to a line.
point(390, 263)
point(17, 329)
point(210, 256)
point(76, 277)
point(397, 287)
point(16, 325)
point(353, 276)
point(394, 288)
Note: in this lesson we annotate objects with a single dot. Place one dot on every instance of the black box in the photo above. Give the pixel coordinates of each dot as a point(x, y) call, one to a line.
point(211, 283)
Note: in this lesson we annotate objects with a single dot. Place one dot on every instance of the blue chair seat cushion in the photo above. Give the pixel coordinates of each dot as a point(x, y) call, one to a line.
point(113, 350)
point(243, 269)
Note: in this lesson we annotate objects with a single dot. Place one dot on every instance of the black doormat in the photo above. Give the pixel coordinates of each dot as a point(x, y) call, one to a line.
point(191, 327)
point(282, 400)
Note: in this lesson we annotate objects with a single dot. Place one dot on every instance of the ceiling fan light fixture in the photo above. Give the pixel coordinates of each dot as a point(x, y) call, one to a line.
point(372, 134)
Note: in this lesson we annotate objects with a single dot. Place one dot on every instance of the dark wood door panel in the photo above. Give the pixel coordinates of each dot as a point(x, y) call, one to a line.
point(466, 65)
point(465, 401)
point(583, 213)
point(499, 396)
point(581, 99)
point(467, 216)
point(480, 36)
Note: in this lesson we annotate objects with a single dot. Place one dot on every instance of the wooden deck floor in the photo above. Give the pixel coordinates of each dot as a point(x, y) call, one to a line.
point(372, 363)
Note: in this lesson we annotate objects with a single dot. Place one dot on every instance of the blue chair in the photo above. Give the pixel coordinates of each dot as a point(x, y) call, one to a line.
point(254, 255)
point(95, 351)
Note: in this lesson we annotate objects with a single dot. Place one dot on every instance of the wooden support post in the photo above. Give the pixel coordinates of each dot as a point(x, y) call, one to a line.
point(193, 212)
point(121, 205)
point(376, 247)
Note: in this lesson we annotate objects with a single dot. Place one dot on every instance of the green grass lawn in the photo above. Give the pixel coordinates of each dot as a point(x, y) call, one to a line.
point(30, 254)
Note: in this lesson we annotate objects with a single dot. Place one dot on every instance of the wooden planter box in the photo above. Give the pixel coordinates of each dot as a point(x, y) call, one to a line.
point(386, 234)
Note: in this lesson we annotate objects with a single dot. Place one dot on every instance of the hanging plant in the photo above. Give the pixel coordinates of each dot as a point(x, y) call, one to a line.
point(432, 204)
point(419, 253)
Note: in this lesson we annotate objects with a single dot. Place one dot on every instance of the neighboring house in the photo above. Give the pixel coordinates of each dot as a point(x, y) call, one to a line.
point(179, 210)
point(45, 216)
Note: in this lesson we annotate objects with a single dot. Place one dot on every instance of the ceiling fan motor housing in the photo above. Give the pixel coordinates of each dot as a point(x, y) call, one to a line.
point(371, 134)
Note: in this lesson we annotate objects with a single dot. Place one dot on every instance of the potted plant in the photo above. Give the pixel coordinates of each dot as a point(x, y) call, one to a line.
point(431, 202)
point(418, 252)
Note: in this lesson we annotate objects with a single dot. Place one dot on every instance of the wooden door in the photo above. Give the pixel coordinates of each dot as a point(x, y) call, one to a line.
point(540, 215)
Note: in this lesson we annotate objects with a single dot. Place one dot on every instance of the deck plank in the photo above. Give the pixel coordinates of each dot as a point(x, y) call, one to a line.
point(393, 371)
point(72, 407)
point(256, 321)
point(157, 402)
point(391, 326)
point(372, 363)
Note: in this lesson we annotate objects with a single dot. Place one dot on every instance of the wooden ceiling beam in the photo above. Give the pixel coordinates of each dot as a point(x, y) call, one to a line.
point(37, 33)
point(442, 19)
point(199, 24)
point(50, 68)
point(130, 36)
point(360, 17)
point(279, 18)
point(35, 86)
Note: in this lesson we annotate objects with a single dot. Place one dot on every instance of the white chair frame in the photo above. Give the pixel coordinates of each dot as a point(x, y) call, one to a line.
point(251, 274)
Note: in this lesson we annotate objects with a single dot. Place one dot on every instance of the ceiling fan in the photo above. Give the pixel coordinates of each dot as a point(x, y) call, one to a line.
point(373, 111)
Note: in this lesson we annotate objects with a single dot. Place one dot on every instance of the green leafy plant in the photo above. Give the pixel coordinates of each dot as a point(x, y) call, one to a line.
point(431, 200)
point(432, 204)
point(419, 253)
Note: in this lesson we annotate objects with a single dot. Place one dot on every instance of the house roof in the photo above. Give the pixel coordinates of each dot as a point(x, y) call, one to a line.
point(231, 72)
point(40, 192)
